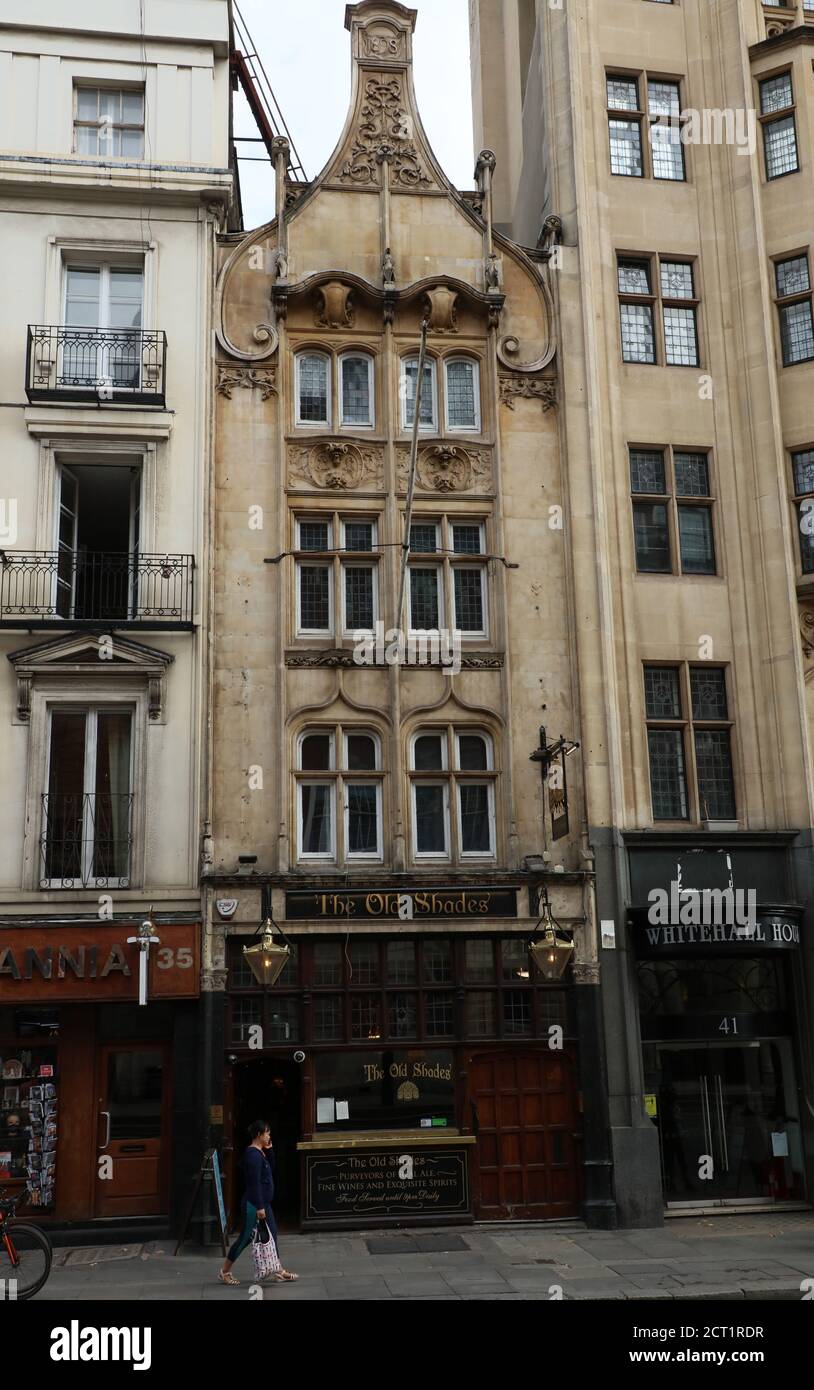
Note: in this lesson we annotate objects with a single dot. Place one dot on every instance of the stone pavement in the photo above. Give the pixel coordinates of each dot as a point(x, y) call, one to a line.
point(733, 1257)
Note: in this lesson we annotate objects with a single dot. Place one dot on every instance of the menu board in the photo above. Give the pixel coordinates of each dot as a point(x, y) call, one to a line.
point(28, 1120)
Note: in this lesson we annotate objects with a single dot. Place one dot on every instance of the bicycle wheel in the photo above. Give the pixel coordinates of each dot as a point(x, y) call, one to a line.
point(25, 1261)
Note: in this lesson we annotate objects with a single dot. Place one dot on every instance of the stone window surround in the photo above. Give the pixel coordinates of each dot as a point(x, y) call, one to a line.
point(119, 689)
point(94, 250)
point(71, 450)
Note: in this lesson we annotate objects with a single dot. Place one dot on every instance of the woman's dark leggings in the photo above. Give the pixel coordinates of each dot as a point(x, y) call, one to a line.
point(249, 1223)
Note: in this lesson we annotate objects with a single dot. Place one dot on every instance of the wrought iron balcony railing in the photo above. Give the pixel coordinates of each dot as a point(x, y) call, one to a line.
point(86, 840)
point(79, 588)
point(119, 365)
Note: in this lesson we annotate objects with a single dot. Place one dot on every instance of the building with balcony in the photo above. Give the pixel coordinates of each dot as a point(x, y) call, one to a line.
point(660, 153)
point(402, 814)
point(115, 182)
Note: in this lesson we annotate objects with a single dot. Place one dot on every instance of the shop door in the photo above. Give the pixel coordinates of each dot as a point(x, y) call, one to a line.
point(524, 1111)
point(132, 1131)
point(727, 1121)
point(267, 1089)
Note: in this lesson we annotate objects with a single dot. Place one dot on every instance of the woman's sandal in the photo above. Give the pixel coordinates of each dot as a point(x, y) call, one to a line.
point(228, 1279)
point(285, 1276)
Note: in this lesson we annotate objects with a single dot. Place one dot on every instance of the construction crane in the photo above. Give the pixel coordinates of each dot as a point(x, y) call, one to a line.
point(247, 69)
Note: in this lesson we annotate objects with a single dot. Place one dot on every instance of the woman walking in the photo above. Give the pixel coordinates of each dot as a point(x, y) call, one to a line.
point(256, 1201)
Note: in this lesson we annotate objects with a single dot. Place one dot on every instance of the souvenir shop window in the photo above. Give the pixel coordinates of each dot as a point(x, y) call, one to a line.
point(28, 1118)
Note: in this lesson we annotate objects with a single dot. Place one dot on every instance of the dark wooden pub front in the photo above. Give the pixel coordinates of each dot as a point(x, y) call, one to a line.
point(413, 1071)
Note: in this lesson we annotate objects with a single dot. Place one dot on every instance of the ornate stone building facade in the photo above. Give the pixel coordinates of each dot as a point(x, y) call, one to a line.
point(392, 816)
point(669, 143)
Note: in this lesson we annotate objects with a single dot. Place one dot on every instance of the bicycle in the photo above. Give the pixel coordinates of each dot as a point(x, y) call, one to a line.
point(26, 1254)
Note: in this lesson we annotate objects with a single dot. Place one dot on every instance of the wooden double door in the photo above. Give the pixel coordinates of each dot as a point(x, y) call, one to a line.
point(524, 1110)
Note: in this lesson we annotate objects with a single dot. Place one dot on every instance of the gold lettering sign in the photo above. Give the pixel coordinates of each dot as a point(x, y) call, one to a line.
point(404, 903)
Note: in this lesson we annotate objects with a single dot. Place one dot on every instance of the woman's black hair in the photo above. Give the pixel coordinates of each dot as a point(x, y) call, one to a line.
point(257, 1127)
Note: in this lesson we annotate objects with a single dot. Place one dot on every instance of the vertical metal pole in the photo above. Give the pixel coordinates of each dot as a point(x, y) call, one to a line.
point(408, 514)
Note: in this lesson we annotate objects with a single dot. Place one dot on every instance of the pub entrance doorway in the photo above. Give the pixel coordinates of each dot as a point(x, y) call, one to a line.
point(524, 1109)
point(270, 1089)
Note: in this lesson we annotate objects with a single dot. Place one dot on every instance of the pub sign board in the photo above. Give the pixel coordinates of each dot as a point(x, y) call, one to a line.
point(404, 904)
point(387, 1182)
point(92, 962)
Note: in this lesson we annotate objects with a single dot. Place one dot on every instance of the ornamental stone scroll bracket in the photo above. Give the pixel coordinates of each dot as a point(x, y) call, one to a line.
point(264, 334)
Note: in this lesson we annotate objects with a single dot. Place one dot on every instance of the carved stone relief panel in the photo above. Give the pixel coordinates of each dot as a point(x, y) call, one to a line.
point(262, 379)
point(384, 41)
point(440, 306)
point(446, 468)
point(543, 389)
point(335, 306)
point(336, 465)
point(383, 137)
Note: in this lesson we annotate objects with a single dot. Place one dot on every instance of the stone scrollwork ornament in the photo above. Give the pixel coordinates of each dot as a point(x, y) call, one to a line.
point(260, 379)
point(384, 138)
point(528, 388)
point(264, 334)
point(447, 468)
point(338, 466)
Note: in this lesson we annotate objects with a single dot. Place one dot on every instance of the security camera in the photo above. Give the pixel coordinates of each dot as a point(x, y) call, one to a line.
point(299, 1056)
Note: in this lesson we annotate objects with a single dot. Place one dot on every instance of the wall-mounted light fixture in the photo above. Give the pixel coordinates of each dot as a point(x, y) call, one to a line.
point(551, 947)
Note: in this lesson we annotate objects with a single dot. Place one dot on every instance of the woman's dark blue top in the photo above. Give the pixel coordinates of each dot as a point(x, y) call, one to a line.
point(259, 1178)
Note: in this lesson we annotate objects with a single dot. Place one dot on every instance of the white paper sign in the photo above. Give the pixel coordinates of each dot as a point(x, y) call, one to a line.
point(325, 1110)
point(780, 1145)
point(342, 1110)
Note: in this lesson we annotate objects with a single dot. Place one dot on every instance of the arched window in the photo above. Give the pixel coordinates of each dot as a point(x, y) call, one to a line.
point(453, 795)
point(356, 394)
point(429, 394)
point(313, 385)
point(462, 394)
point(339, 795)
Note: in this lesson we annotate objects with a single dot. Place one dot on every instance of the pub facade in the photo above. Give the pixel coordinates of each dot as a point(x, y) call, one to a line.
point(397, 784)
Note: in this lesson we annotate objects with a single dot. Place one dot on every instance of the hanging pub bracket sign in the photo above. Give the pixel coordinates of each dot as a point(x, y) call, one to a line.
point(145, 939)
point(551, 758)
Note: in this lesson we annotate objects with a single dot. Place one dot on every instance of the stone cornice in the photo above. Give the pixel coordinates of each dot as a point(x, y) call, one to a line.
point(799, 33)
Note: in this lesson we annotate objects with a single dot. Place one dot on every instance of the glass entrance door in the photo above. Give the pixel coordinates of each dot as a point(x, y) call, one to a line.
point(727, 1120)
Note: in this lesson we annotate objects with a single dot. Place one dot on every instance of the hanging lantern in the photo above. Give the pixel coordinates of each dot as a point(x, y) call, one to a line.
point(550, 948)
point(267, 958)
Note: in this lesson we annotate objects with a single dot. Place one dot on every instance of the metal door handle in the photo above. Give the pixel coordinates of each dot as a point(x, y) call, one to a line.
point(106, 1113)
point(702, 1081)
point(722, 1125)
